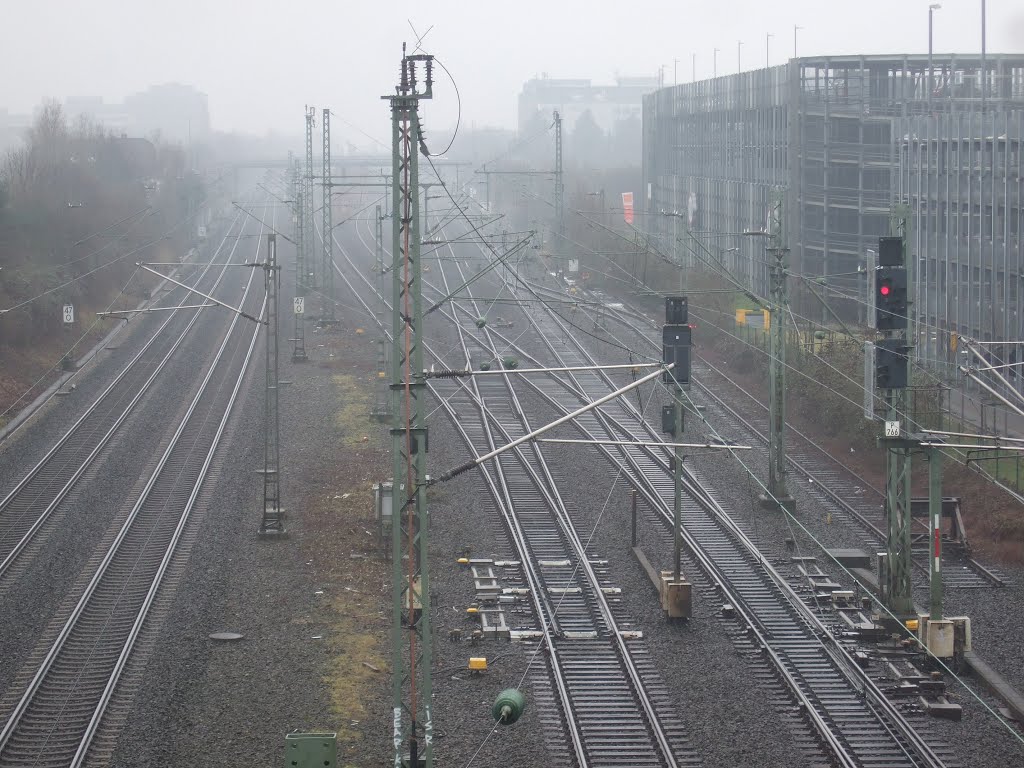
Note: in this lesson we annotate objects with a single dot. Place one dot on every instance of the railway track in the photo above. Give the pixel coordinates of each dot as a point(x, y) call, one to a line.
point(853, 719)
point(58, 702)
point(843, 494)
point(26, 509)
point(601, 677)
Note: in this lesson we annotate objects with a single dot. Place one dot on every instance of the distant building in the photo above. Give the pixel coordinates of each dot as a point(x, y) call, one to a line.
point(601, 123)
point(112, 117)
point(962, 176)
point(12, 128)
point(178, 112)
point(847, 138)
point(608, 104)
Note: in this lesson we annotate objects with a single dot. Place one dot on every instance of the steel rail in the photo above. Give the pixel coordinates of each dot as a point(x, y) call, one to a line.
point(802, 464)
point(12, 554)
point(556, 502)
point(165, 562)
point(11, 726)
point(839, 656)
point(548, 488)
point(503, 499)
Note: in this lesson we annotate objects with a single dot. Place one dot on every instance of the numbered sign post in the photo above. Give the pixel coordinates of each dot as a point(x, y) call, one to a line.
point(892, 429)
point(299, 304)
point(69, 314)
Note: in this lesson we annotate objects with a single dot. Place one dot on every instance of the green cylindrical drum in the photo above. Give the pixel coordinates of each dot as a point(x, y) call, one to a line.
point(509, 706)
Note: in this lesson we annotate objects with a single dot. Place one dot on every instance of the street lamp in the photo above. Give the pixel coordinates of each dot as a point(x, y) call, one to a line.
point(739, 48)
point(931, 9)
point(714, 63)
point(767, 49)
point(795, 28)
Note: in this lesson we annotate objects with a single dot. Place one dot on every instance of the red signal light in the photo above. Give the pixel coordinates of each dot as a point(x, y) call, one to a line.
point(884, 290)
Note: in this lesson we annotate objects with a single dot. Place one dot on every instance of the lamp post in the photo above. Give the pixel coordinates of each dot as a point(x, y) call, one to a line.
point(739, 49)
point(693, 57)
point(931, 10)
point(795, 28)
point(714, 63)
point(767, 49)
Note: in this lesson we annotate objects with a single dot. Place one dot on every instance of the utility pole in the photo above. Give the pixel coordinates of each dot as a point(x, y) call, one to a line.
point(299, 301)
point(310, 235)
point(935, 531)
point(676, 346)
point(327, 316)
point(778, 494)
point(559, 184)
point(898, 569)
point(412, 650)
point(272, 523)
point(382, 406)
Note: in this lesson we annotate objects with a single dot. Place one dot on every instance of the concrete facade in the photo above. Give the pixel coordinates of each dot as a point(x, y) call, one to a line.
point(843, 137)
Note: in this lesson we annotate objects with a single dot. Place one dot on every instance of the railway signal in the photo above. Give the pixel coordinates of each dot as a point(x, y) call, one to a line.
point(890, 298)
point(891, 364)
point(676, 341)
point(892, 376)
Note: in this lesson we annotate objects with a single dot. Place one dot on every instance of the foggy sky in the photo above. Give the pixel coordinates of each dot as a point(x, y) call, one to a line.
point(261, 61)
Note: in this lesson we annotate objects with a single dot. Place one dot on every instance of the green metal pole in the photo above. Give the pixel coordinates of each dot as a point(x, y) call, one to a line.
point(411, 635)
point(398, 644)
point(778, 494)
point(310, 236)
point(935, 518)
point(898, 468)
point(677, 476)
point(559, 187)
point(327, 314)
point(299, 307)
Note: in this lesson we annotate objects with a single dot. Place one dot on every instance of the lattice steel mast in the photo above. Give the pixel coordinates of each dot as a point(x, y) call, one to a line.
point(777, 469)
point(273, 515)
point(310, 234)
point(299, 304)
point(898, 578)
point(411, 635)
point(327, 267)
point(559, 185)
